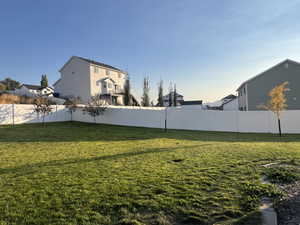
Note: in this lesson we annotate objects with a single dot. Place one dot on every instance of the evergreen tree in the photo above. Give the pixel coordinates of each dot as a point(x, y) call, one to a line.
point(10, 84)
point(175, 96)
point(146, 89)
point(170, 95)
point(160, 99)
point(127, 95)
point(44, 81)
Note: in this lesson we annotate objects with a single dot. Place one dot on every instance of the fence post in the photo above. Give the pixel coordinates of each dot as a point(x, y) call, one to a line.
point(166, 118)
point(13, 114)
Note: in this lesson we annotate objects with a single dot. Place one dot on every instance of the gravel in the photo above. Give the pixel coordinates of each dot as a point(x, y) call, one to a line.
point(288, 209)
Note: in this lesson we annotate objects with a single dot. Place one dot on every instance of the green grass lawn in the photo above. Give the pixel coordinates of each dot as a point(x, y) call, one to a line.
point(76, 173)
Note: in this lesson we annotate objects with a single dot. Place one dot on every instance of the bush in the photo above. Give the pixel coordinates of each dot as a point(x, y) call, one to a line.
point(282, 175)
point(253, 192)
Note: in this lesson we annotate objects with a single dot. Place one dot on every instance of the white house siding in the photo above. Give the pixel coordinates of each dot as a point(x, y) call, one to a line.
point(75, 80)
point(97, 76)
point(232, 105)
point(242, 98)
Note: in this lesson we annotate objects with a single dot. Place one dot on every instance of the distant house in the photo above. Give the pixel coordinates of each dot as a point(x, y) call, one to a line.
point(166, 98)
point(84, 78)
point(197, 104)
point(254, 91)
point(228, 103)
point(34, 90)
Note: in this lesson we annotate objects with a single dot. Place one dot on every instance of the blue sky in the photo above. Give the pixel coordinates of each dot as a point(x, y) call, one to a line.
point(206, 47)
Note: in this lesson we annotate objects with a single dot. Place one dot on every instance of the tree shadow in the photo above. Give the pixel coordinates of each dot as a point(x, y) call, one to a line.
point(33, 168)
point(78, 132)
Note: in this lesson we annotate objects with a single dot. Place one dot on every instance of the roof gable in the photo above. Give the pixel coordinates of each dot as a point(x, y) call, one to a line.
point(262, 73)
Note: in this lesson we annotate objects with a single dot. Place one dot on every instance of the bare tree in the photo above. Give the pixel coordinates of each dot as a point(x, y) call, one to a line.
point(145, 98)
point(127, 94)
point(170, 95)
point(160, 99)
point(175, 96)
point(277, 102)
point(72, 105)
point(42, 106)
point(95, 107)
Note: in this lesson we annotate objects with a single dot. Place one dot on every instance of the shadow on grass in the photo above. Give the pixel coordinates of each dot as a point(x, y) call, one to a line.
point(77, 132)
point(32, 168)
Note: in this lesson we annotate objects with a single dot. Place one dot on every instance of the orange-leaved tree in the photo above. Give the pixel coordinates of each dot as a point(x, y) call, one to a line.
point(277, 102)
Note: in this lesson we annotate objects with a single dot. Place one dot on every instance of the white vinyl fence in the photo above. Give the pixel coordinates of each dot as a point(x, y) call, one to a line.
point(18, 114)
point(174, 118)
point(197, 119)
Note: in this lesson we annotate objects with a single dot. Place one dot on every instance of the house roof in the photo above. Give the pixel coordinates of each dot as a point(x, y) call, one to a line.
point(57, 82)
point(197, 102)
point(93, 62)
point(260, 74)
point(229, 97)
point(32, 87)
point(178, 95)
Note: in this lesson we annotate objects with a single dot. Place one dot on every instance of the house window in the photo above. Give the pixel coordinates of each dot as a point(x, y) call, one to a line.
point(119, 75)
point(109, 85)
point(107, 72)
point(96, 69)
point(104, 85)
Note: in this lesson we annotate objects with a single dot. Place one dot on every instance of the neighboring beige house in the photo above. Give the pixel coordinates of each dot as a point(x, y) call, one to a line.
point(84, 78)
point(33, 90)
point(254, 91)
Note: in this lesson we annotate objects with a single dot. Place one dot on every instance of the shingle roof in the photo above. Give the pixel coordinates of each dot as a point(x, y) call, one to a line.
point(32, 87)
point(99, 64)
point(199, 102)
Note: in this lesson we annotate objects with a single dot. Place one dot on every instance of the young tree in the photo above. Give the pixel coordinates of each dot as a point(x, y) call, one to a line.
point(160, 99)
point(175, 96)
point(10, 84)
point(127, 94)
point(95, 107)
point(44, 81)
point(170, 95)
point(72, 105)
point(42, 106)
point(277, 102)
point(146, 99)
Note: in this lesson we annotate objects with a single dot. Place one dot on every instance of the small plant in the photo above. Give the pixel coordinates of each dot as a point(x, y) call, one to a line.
point(95, 107)
point(277, 102)
point(282, 175)
point(42, 106)
point(253, 192)
point(72, 105)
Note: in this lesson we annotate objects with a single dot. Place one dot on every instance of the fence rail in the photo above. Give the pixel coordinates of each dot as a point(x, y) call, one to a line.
point(173, 118)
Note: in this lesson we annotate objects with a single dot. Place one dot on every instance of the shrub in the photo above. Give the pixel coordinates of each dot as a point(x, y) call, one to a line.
point(282, 175)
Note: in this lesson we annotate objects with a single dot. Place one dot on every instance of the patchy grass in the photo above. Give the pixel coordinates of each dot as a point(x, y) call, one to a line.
point(76, 173)
point(282, 175)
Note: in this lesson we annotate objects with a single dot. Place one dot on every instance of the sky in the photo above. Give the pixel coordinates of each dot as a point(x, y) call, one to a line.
point(207, 48)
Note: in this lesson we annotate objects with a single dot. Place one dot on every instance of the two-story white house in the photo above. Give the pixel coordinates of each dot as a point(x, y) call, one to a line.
point(84, 78)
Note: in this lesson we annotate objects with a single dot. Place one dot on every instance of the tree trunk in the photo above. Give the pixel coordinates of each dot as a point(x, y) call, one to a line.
point(279, 127)
point(43, 120)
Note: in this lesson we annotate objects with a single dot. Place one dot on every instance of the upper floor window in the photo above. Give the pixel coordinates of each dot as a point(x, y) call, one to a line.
point(96, 69)
point(119, 75)
point(107, 72)
point(109, 85)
